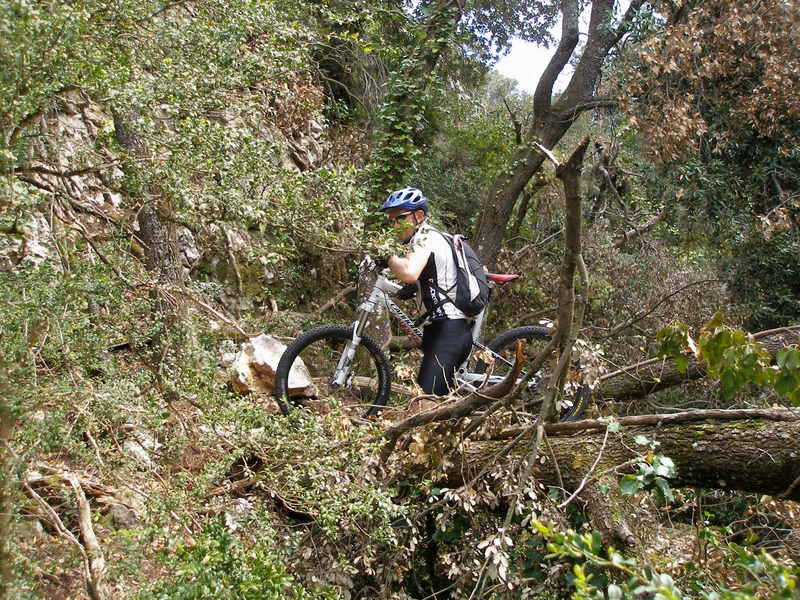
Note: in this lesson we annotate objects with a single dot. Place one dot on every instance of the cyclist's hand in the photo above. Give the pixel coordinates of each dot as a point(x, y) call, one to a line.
point(381, 262)
point(407, 292)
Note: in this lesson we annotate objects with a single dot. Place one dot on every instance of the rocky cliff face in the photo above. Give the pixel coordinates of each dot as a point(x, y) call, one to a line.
point(74, 163)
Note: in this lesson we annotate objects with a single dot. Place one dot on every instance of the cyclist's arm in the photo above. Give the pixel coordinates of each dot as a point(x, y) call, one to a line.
point(409, 267)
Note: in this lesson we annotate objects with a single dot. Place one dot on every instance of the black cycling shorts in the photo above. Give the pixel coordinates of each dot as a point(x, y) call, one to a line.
point(446, 344)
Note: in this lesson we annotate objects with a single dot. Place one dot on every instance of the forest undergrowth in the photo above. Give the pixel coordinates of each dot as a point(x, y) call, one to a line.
point(196, 491)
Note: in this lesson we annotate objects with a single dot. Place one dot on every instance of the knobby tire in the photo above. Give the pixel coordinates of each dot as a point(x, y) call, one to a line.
point(335, 336)
point(507, 342)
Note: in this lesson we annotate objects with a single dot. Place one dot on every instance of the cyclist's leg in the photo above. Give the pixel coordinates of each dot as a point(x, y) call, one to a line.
point(446, 344)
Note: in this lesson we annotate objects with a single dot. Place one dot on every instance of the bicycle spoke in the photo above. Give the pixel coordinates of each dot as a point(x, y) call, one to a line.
point(364, 385)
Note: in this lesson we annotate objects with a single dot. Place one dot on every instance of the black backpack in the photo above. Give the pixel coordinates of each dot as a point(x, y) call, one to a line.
point(471, 288)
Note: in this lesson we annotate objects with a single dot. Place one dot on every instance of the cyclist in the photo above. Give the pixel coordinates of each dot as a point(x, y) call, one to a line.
point(447, 338)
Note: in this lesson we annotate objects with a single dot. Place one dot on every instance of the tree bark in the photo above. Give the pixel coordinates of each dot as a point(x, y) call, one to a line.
point(754, 451)
point(551, 120)
point(157, 231)
point(525, 207)
point(637, 232)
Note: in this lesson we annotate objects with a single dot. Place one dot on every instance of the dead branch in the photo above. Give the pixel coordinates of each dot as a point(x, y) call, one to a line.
point(636, 232)
point(77, 226)
point(93, 561)
point(649, 310)
point(53, 172)
point(528, 317)
point(336, 299)
point(515, 122)
point(232, 259)
point(533, 368)
point(457, 409)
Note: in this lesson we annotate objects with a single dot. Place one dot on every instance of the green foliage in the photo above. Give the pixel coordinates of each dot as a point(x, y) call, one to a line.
point(674, 341)
point(604, 574)
point(765, 275)
point(735, 358)
point(219, 565)
point(218, 94)
point(473, 145)
point(327, 475)
point(652, 473)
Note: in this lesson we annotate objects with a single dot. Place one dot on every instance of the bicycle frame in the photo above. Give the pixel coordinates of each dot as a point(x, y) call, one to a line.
point(380, 293)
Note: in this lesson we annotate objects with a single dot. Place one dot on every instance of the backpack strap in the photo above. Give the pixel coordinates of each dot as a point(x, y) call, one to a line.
point(445, 293)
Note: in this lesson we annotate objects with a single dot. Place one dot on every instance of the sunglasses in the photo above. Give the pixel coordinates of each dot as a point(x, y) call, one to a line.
point(400, 217)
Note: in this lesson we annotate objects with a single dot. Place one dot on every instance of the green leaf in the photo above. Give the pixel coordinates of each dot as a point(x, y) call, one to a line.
point(681, 363)
point(664, 466)
point(614, 592)
point(788, 359)
point(716, 321)
point(629, 485)
point(663, 487)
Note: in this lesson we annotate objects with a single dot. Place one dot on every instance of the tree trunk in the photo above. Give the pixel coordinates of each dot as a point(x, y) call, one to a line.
point(638, 381)
point(157, 231)
point(158, 234)
point(524, 208)
point(754, 451)
point(552, 120)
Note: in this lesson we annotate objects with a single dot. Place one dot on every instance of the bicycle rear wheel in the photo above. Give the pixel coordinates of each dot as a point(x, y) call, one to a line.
point(571, 406)
point(304, 373)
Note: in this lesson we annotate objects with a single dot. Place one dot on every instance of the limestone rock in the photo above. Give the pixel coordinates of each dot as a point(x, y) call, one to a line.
point(253, 369)
point(140, 446)
point(123, 517)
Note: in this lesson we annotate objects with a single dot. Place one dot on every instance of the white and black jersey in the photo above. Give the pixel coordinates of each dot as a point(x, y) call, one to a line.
point(439, 273)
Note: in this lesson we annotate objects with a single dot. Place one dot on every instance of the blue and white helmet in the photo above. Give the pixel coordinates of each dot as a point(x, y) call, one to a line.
point(408, 198)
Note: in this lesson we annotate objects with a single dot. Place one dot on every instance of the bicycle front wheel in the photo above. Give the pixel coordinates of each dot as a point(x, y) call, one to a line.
point(571, 406)
point(305, 371)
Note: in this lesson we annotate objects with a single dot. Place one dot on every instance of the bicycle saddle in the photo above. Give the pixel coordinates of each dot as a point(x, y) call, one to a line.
point(501, 278)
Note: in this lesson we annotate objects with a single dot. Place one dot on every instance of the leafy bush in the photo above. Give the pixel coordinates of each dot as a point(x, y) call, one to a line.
point(219, 565)
point(765, 275)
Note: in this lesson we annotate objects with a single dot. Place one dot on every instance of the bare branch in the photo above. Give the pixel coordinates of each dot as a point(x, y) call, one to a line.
point(32, 116)
point(455, 410)
point(81, 229)
point(626, 22)
point(542, 97)
point(623, 238)
point(642, 314)
point(46, 171)
point(336, 299)
point(515, 122)
point(232, 259)
point(548, 154)
point(96, 563)
point(573, 111)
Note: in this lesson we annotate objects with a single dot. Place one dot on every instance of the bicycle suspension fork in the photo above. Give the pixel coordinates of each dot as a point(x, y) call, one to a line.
point(341, 376)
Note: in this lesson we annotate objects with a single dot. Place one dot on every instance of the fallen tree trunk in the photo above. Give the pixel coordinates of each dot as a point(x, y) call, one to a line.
point(637, 381)
point(747, 450)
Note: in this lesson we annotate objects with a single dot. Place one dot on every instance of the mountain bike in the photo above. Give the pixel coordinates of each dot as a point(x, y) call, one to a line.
point(340, 363)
